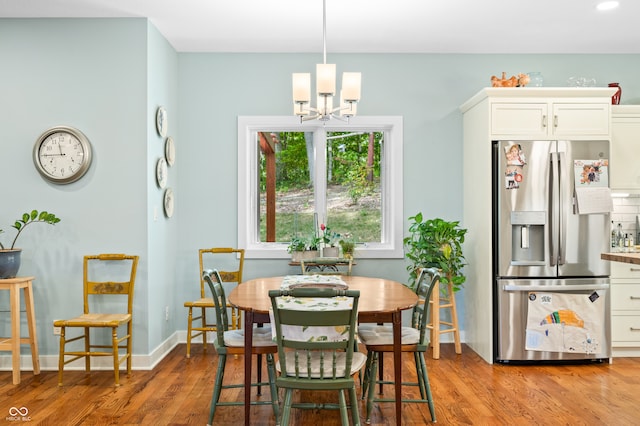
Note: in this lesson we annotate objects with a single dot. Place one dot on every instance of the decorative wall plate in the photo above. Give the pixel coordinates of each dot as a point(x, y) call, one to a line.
point(161, 121)
point(168, 202)
point(170, 151)
point(162, 173)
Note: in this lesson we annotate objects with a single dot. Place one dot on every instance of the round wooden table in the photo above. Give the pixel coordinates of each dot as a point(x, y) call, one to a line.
point(381, 300)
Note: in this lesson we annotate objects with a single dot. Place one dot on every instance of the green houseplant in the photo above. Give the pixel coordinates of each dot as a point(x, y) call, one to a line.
point(10, 257)
point(436, 243)
point(296, 247)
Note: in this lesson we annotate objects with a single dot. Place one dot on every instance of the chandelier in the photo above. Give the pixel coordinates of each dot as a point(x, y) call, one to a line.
point(325, 88)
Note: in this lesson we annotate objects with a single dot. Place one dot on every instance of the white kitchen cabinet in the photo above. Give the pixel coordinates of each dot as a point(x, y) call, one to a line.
point(625, 309)
point(625, 147)
point(555, 119)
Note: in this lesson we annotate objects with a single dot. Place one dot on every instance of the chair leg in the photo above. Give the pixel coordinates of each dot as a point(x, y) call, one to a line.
point(204, 332)
point(271, 371)
point(425, 376)
point(286, 407)
point(344, 415)
point(217, 387)
point(116, 364)
point(372, 385)
point(259, 372)
point(61, 359)
point(380, 369)
point(355, 412)
point(87, 349)
point(129, 348)
point(189, 329)
point(367, 374)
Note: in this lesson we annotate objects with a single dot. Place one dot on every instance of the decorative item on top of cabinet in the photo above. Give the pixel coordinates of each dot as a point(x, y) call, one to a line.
point(520, 81)
point(615, 99)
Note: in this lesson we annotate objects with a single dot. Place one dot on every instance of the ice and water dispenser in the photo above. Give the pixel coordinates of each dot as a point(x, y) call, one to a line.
point(527, 237)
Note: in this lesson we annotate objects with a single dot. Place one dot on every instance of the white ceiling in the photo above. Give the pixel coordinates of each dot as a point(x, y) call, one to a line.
point(375, 26)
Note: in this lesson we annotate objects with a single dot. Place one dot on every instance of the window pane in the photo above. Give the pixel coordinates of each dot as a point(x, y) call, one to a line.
point(353, 185)
point(286, 189)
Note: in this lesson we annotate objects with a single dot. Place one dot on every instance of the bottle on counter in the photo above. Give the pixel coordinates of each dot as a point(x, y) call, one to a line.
point(620, 236)
point(614, 236)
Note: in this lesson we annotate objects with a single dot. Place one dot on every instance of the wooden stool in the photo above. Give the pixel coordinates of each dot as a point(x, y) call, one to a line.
point(13, 343)
point(443, 300)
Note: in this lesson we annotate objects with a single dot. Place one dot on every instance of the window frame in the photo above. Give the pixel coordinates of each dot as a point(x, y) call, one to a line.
point(391, 245)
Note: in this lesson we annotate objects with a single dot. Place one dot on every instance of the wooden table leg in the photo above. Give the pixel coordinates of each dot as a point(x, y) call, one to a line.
point(397, 363)
point(248, 343)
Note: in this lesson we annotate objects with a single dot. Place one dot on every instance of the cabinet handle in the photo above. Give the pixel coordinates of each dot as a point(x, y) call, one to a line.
point(555, 121)
point(634, 328)
point(544, 121)
point(634, 297)
point(634, 269)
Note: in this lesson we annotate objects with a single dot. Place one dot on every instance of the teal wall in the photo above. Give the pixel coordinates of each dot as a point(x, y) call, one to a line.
point(108, 76)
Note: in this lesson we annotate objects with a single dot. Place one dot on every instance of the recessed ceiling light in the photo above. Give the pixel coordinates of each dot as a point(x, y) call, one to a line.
point(607, 5)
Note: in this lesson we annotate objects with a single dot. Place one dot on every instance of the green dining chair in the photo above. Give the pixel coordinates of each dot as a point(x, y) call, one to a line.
point(324, 362)
point(231, 342)
point(378, 339)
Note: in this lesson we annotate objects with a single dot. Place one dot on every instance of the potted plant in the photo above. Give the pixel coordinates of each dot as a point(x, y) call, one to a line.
point(436, 243)
point(329, 239)
point(313, 247)
point(296, 247)
point(10, 257)
point(348, 246)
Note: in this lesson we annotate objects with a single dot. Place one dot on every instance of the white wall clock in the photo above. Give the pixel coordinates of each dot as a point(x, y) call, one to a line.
point(170, 151)
point(168, 202)
point(62, 154)
point(162, 123)
point(162, 173)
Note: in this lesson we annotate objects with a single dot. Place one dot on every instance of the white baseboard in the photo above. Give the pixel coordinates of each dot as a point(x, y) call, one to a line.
point(138, 361)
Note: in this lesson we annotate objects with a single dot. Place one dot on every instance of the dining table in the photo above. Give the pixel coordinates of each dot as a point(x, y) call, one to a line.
point(381, 301)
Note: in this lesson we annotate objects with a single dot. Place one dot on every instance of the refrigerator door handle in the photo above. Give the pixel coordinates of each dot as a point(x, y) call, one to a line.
point(562, 232)
point(553, 210)
point(559, 289)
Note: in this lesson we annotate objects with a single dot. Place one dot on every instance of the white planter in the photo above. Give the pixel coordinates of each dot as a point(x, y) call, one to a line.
point(330, 252)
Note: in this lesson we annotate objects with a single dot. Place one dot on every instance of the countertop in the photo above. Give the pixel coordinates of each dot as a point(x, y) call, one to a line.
point(633, 257)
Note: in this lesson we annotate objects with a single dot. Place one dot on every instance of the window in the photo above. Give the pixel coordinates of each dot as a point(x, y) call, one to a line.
point(292, 177)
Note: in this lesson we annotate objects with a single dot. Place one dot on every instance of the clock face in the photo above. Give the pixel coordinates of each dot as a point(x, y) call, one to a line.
point(62, 154)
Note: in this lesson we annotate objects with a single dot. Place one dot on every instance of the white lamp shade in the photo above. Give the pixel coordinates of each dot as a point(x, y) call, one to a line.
point(351, 86)
point(301, 87)
point(326, 79)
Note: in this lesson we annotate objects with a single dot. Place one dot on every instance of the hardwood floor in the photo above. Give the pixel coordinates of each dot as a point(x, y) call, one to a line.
point(467, 391)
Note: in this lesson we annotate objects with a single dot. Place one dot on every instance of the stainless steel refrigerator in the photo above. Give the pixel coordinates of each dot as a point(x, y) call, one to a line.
point(551, 222)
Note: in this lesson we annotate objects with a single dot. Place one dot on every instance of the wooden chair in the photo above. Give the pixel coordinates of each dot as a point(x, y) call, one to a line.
point(328, 266)
point(378, 339)
point(232, 342)
point(117, 274)
point(321, 363)
point(230, 263)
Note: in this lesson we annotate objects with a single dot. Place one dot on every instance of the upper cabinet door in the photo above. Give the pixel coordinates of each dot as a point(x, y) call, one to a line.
point(519, 119)
point(574, 119)
point(625, 140)
point(550, 120)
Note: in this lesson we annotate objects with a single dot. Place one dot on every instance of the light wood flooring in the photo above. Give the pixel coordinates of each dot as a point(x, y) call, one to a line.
point(467, 391)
